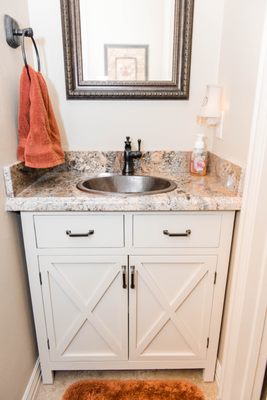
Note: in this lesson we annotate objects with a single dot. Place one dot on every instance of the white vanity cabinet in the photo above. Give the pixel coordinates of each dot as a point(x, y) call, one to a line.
point(127, 290)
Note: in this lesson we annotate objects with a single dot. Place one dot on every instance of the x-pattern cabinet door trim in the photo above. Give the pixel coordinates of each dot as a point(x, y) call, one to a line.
point(170, 306)
point(83, 297)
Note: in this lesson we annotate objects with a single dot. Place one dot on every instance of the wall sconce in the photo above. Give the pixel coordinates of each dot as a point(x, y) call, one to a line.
point(211, 113)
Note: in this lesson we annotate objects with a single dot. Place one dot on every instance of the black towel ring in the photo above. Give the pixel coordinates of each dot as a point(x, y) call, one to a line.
point(25, 32)
point(13, 33)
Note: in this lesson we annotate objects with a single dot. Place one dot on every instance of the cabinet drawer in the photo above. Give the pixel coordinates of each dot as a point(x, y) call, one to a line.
point(183, 230)
point(79, 231)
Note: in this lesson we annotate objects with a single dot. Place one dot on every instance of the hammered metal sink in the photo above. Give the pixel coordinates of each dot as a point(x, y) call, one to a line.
point(126, 184)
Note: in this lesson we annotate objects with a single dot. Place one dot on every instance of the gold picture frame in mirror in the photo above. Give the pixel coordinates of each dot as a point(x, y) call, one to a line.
point(120, 49)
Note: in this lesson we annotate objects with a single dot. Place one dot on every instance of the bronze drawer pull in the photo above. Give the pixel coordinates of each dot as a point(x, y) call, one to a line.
point(90, 232)
point(132, 277)
point(124, 284)
point(187, 233)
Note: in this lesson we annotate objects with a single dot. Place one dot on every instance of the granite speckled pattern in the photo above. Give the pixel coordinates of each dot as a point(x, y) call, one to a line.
point(18, 177)
point(230, 175)
point(55, 189)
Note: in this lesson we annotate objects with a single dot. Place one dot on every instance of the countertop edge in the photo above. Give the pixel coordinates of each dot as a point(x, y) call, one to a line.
point(127, 204)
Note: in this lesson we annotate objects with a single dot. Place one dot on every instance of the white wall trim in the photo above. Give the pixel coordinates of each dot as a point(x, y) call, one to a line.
point(239, 363)
point(218, 372)
point(261, 364)
point(34, 383)
point(258, 321)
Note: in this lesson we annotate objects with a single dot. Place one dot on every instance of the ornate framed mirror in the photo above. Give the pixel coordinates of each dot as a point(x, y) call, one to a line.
point(127, 49)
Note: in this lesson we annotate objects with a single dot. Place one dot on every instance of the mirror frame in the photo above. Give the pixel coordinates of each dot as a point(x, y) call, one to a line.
point(177, 88)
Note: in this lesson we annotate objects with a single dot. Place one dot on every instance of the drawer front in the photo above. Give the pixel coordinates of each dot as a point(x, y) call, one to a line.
point(79, 231)
point(182, 230)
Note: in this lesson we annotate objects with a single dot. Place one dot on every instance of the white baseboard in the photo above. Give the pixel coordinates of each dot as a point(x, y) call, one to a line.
point(34, 383)
point(218, 373)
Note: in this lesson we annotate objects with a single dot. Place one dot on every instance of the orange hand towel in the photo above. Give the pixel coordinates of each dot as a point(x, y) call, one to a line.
point(39, 137)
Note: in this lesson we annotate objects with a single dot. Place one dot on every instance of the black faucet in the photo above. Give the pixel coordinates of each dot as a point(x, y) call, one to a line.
point(129, 155)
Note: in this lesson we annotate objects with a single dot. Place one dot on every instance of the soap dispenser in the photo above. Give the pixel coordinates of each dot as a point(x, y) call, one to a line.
point(199, 157)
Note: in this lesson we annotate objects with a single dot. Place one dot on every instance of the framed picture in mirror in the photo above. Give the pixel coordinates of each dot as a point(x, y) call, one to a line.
point(126, 62)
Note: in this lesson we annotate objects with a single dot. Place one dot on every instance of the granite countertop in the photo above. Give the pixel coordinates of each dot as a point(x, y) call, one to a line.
point(55, 189)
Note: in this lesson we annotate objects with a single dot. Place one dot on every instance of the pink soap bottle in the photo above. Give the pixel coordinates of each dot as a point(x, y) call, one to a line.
point(199, 157)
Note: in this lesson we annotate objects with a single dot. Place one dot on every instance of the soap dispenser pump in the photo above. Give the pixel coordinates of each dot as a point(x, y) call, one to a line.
point(199, 157)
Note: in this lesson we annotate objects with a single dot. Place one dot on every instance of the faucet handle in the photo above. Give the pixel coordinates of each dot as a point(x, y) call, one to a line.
point(139, 144)
point(128, 142)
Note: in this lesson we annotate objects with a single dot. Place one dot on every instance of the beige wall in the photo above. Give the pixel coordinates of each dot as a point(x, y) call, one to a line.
point(17, 341)
point(240, 47)
point(226, 40)
point(92, 125)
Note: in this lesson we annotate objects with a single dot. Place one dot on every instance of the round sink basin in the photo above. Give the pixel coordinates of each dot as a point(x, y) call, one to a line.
point(126, 184)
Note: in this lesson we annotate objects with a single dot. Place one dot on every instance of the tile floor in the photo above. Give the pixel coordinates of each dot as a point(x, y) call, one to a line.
point(64, 378)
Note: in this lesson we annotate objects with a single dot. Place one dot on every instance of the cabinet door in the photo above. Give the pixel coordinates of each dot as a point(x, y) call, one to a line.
point(170, 307)
point(85, 307)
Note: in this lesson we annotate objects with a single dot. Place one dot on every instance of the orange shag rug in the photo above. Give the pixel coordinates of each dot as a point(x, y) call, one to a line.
point(133, 390)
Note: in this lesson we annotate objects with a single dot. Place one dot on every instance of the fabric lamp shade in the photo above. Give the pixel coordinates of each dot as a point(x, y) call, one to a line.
point(211, 105)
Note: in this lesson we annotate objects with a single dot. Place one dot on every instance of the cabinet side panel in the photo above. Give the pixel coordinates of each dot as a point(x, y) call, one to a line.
point(36, 294)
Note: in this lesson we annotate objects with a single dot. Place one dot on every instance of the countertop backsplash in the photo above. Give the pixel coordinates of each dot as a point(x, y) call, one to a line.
point(18, 177)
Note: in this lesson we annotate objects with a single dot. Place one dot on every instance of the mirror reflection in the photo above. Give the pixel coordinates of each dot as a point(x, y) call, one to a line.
point(127, 49)
point(126, 40)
